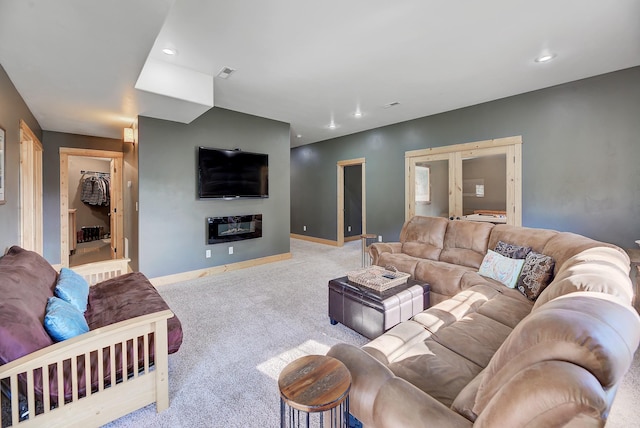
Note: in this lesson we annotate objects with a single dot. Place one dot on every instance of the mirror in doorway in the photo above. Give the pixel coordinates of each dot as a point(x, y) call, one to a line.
point(423, 184)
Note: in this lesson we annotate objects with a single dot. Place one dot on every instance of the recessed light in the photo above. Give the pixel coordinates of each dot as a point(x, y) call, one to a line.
point(299, 136)
point(169, 51)
point(545, 58)
point(332, 125)
point(358, 113)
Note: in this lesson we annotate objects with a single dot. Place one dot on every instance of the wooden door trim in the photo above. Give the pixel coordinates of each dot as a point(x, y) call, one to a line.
point(31, 217)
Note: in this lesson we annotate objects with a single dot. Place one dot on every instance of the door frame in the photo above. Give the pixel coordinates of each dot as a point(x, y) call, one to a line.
point(340, 202)
point(116, 208)
point(31, 217)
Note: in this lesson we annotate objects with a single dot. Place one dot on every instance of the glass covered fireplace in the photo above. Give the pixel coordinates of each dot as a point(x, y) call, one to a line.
point(233, 228)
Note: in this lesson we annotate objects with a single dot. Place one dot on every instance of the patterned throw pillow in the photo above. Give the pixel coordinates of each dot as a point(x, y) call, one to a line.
point(501, 268)
point(537, 273)
point(511, 250)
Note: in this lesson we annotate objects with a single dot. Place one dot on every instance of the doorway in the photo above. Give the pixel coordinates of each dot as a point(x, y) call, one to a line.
point(352, 202)
point(347, 187)
point(91, 217)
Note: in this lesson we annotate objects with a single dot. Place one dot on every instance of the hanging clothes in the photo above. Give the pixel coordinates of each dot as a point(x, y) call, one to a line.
point(95, 189)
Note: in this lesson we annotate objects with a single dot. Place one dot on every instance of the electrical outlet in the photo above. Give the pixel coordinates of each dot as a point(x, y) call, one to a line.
point(207, 254)
point(379, 238)
point(348, 228)
point(230, 250)
point(304, 228)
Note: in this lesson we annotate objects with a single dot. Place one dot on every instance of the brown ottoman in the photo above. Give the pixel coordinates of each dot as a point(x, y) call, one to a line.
point(371, 313)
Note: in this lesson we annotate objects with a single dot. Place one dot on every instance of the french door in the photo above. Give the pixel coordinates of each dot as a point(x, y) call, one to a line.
point(479, 181)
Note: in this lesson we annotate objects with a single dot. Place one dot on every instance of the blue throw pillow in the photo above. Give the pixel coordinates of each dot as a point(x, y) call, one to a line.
point(72, 288)
point(63, 320)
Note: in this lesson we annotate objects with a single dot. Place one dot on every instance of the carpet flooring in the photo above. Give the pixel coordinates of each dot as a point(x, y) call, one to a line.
point(242, 328)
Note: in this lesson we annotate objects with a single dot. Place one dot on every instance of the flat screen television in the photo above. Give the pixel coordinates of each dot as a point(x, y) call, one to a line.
point(232, 174)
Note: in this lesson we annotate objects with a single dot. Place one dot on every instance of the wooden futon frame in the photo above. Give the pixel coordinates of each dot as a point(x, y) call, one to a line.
point(107, 400)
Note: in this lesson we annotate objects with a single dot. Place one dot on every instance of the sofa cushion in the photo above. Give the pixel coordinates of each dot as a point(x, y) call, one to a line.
point(523, 236)
point(501, 268)
point(602, 277)
point(465, 400)
point(401, 404)
point(72, 288)
point(565, 245)
point(536, 274)
point(125, 297)
point(63, 320)
point(424, 237)
point(465, 243)
point(475, 337)
point(507, 310)
point(443, 278)
point(397, 341)
point(435, 369)
point(454, 309)
point(26, 282)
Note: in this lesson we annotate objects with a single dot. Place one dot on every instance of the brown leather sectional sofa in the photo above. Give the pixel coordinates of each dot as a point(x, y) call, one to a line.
point(487, 355)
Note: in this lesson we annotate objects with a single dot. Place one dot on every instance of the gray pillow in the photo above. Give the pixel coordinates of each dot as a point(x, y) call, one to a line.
point(511, 250)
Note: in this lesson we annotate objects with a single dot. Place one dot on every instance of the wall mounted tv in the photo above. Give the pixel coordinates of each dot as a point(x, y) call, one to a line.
point(232, 174)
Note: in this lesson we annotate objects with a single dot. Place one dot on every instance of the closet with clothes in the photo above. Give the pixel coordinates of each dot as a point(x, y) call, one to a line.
point(89, 209)
point(95, 192)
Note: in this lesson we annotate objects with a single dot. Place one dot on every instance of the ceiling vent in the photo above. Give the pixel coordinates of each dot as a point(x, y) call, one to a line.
point(226, 72)
point(393, 104)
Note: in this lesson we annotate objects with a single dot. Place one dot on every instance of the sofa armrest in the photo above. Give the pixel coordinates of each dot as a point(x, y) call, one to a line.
point(377, 248)
point(367, 376)
point(549, 393)
point(400, 404)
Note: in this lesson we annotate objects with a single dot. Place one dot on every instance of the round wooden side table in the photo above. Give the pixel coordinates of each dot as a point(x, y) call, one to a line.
point(314, 385)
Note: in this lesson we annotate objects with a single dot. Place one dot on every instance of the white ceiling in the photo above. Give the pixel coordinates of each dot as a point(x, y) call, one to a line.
point(77, 63)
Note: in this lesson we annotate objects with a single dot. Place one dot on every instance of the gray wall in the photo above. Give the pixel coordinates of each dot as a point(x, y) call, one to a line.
point(172, 220)
point(52, 141)
point(581, 146)
point(12, 110)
